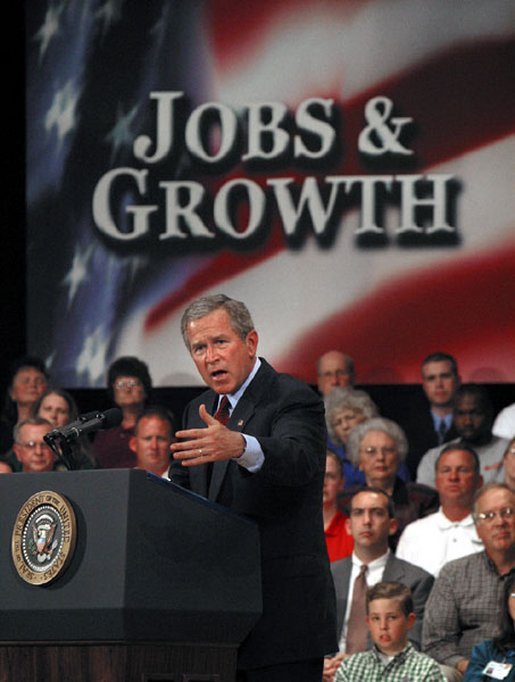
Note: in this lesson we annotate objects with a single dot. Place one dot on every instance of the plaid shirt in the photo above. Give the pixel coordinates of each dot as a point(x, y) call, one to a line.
point(463, 608)
point(407, 666)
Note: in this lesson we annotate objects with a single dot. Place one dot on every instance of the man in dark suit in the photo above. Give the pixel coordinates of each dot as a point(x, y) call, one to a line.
point(262, 456)
point(371, 521)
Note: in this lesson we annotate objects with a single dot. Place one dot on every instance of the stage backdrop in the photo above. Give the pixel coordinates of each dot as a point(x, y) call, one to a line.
point(345, 167)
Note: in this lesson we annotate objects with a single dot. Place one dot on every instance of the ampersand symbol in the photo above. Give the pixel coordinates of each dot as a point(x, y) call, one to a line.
point(377, 137)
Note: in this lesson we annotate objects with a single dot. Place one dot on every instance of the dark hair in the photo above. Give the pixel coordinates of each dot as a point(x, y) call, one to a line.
point(336, 457)
point(461, 447)
point(392, 590)
point(72, 405)
point(439, 356)
point(505, 640)
point(160, 412)
point(241, 320)
point(10, 410)
point(480, 393)
point(129, 366)
point(374, 489)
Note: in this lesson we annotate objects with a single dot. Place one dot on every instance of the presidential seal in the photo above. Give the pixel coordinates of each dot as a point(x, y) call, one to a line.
point(43, 538)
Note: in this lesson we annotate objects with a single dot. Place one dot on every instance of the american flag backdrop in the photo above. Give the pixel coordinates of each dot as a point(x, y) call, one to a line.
point(446, 67)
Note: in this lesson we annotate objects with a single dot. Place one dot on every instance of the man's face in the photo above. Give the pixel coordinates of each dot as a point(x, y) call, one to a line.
point(333, 370)
point(223, 359)
point(389, 625)
point(31, 450)
point(333, 480)
point(369, 522)
point(498, 533)
point(456, 480)
point(471, 419)
point(439, 383)
point(28, 385)
point(151, 444)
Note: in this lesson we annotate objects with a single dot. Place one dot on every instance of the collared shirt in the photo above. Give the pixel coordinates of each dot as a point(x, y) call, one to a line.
point(407, 666)
point(435, 540)
point(437, 422)
point(463, 608)
point(374, 575)
point(252, 458)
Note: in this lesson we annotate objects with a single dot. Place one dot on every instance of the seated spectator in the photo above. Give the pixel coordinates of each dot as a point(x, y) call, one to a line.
point(28, 380)
point(449, 533)
point(429, 425)
point(153, 435)
point(390, 618)
point(504, 424)
point(345, 408)
point(334, 369)
point(338, 540)
point(501, 649)
point(378, 446)
point(59, 408)
point(509, 465)
point(34, 455)
point(372, 521)
point(129, 387)
point(472, 418)
point(464, 604)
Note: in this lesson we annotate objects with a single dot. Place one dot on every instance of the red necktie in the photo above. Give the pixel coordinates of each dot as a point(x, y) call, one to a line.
point(222, 413)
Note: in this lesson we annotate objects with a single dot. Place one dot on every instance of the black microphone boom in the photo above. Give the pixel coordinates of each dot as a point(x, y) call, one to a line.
point(86, 423)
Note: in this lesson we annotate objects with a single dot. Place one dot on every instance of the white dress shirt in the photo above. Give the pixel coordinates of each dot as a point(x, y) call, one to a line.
point(434, 540)
point(374, 575)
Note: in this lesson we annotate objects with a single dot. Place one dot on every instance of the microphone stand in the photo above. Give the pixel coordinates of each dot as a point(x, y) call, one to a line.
point(61, 449)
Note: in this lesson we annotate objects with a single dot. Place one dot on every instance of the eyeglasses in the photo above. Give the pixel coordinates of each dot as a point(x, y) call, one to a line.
point(372, 452)
point(32, 445)
point(489, 516)
point(127, 383)
point(337, 373)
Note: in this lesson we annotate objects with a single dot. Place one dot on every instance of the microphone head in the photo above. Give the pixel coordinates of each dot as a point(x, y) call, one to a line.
point(112, 417)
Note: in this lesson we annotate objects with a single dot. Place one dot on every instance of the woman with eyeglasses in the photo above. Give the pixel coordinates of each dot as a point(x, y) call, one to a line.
point(129, 387)
point(494, 659)
point(378, 447)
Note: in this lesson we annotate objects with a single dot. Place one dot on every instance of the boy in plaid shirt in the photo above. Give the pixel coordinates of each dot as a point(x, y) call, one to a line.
point(393, 659)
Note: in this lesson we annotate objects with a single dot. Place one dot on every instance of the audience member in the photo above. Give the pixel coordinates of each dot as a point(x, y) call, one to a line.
point(464, 604)
point(472, 417)
point(504, 424)
point(153, 435)
point(377, 447)
point(29, 447)
point(344, 409)
point(129, 387)
point(337, 538)
point(449, 533)
point(509, 465)
point(432, 426)
point(390, 618)
point(334, 369)
point(495, 658)
point(28, 379)
point(372, 521)
point(59, 408)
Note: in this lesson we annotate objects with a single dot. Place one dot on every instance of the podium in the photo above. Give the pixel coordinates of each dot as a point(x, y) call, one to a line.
point(160, 585)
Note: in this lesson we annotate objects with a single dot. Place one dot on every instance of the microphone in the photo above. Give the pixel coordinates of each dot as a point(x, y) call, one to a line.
point(86, 423)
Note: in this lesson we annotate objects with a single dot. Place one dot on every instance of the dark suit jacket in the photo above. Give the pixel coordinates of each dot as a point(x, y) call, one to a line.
point(285, 499)
point(419, 581)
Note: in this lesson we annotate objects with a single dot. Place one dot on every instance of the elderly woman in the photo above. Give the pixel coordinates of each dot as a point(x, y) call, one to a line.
point(345, 408)
point(378, 447)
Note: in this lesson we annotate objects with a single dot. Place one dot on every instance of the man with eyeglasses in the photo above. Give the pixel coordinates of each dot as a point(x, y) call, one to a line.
point(449, 533)
point(371, 522)
point(464, 605)
point(334, 368)
point(34, 455)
